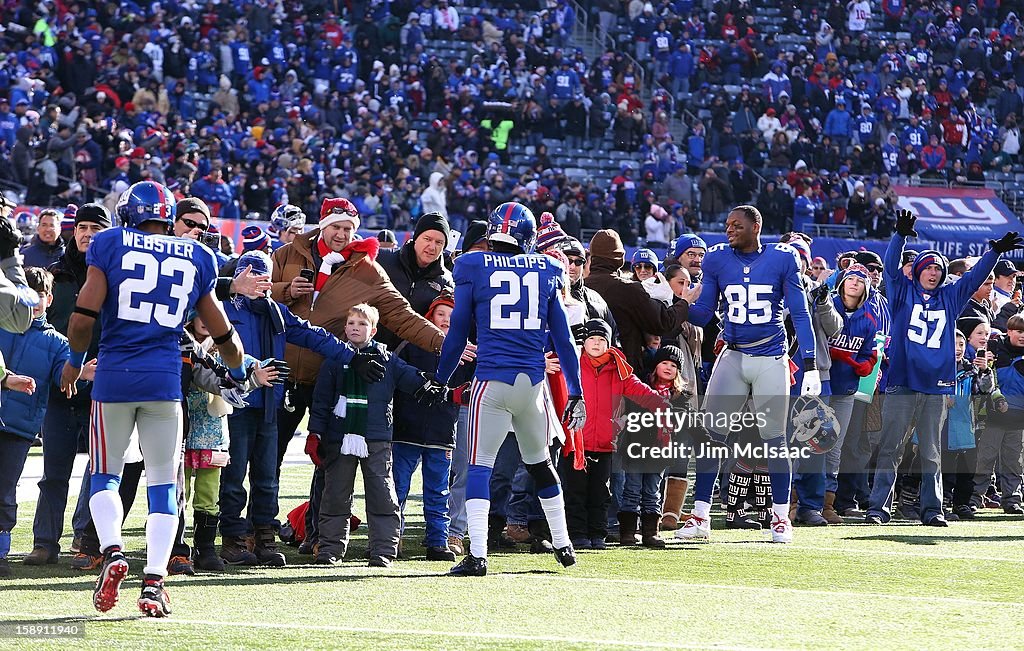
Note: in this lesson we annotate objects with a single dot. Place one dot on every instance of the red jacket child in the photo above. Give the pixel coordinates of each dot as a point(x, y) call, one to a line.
point(607, 378)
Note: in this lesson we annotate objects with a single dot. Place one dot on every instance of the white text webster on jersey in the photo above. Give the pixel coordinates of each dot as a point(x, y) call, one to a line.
point(177, 246)
point(515, 261)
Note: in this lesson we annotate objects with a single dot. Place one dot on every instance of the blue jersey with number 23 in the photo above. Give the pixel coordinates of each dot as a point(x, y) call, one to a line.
point(152, 283)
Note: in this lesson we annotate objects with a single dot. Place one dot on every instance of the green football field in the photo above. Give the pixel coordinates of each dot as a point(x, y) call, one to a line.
point(897, 586)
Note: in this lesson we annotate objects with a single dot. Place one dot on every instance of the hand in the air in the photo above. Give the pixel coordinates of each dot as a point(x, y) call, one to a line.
point(905, 221)
point(1009, 242)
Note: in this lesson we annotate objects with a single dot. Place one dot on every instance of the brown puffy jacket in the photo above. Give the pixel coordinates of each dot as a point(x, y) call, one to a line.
point(358, 280)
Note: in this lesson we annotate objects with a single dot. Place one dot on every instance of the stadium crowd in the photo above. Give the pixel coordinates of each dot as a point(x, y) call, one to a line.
point(271, 112)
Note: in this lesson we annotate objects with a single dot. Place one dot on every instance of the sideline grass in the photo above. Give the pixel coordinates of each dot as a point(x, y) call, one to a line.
point(897, 586)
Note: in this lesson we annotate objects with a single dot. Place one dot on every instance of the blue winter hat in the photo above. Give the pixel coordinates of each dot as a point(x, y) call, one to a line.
point(254, 238)
point(259, 260)
point(803, 249)
point(642, 256)
point(688, 241)
point(926, 258)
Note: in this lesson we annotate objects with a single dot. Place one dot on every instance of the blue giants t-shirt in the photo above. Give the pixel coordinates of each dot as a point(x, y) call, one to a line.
point(516, 303)
point(152, 283)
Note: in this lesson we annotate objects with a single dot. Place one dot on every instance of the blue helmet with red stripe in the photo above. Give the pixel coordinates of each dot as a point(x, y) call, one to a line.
point(146, 201)
point(513, 223)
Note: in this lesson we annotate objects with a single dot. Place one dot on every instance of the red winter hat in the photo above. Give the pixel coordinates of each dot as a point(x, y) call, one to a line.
point(338, 210)
point(138, 152)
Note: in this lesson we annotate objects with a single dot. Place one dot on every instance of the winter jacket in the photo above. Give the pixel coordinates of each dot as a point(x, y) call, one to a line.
point(855, 343)
point(933, 158)
point(827, 323)
point(605, 388)
point(839, 124)
point(713, 193)
point(40, 254)
point(418, 424)
point(962, 417)
point(419, 286)
point(635, 312)
point(358, 280)
point(39, 353)
point(297, 332)
point(330, 384)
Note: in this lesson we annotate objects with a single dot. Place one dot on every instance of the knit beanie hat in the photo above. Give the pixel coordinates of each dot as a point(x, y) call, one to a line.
point(254, 238)
point(91, 212)
point(688, 241)
point(475, 233)
point(669, 353)
point(334, 210)
point(260, 261)
point(192, 204)
point(606, 244)
point(443, 299)
point(967, 324)
point(549, 232)
point(598, 328)
point(642, 256)
point(802, 248)
point(927, 258)
point(433, 221)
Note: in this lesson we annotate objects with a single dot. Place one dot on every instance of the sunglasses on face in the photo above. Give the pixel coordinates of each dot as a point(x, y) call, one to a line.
point(875, 268)
point(643, 265)
point(578, 262)
point(193, 224)
point(817, 268)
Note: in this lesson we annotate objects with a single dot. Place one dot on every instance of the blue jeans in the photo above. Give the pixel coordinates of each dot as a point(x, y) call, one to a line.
point(13, 452)
point(524, 507)
point(460, 467)
point(843, 406)
point(615, 485)
point(64, 426)
point(809, 482)
point(641, 492)
point(852, 487)
point(437, 465)
point(253, 449)
point(505, 464)
point(901, 408)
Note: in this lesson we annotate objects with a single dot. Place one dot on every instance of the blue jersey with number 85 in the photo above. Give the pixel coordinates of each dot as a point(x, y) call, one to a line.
point(152, 283)
point(516, 303)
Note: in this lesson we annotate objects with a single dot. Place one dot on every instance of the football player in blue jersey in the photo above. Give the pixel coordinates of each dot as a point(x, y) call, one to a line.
point(922, 363)
point(141, 283)
point(753, 283)
point(513, 296)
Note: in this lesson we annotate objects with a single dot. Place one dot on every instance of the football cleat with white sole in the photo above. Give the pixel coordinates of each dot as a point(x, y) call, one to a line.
point(153, 601)
point(782, 529)
point(695, 529)
point(108, 584)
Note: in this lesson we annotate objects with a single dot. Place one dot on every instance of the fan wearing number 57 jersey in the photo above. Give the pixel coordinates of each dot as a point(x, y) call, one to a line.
point(141, 282)
point(514, 297)
point(922, 363)
point(753, 283)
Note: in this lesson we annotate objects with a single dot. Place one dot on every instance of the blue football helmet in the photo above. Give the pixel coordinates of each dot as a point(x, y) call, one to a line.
point(287, 216)
point(28, 222)
point(146, 201)
point(815, 424)
point(513, 223)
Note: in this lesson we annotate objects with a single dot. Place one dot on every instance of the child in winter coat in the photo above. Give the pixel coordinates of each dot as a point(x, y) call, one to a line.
point(974, 380)
point(427, 433)
point(353, 421)
point(607, 378)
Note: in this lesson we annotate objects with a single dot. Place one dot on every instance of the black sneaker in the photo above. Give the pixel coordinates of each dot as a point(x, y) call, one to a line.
point(566, 555)
point(1013, 509)
point(440, 554)
point(108, 584)
point(5, 568)
point(872, 519)
point(470, 566)
point(153, 601)
point(582, 543)
point(541, 546)
point(964, 512)
point(742, 521)
point(325, 558)
point(598, 544)
point(937, 521)
point(380, 561)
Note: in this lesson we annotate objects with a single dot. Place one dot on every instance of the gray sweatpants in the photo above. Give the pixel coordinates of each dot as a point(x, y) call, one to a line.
point(1006, 445)
point(382, 514)
point(765, 379)
point(496, 408)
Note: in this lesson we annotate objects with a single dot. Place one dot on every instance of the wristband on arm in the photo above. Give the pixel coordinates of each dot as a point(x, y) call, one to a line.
point(77, 359)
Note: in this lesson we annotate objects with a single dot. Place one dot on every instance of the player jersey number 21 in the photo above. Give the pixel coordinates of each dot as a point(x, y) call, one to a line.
point(507, 305)
point(168, 316)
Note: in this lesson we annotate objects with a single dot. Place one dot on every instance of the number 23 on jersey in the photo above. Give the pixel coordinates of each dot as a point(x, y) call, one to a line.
point(168, 316)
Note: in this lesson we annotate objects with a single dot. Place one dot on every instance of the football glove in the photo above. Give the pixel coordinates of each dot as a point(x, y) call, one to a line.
point(1009, 242)
point(460, 394)
point(812, 384)
point(369, 366)
point(905, 221)
point(820, 294)
point(235, 398)
point(432, 393)
point(229, 382)
point(575, 413)
point(579, 333)
point(283, 370)
point(313, 449)
point(355, 446)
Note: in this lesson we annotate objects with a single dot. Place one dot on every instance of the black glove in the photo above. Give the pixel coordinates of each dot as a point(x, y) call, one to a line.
point(820, 294)
point(369, 366)
point(227, 381)
point(1007, 243)
point(283, 370)
point(575, 413)
point(905, 221)
point(10, 238)
point(579, 333)
point(432, 393)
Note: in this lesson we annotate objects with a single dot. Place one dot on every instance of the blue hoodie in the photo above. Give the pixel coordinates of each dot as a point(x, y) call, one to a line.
point(40, 354)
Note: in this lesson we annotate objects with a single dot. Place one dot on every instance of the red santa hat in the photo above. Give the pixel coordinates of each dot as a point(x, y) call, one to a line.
point(334, 210)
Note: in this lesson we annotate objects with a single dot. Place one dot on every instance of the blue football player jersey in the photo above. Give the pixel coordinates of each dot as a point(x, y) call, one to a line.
point(754, 289)
point(152, 283)
point(516, 304)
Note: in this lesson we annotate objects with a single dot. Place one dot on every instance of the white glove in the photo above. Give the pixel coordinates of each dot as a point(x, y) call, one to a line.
point(355, 445)
point(658, 289)
point(812, 384)
point(234, 397)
